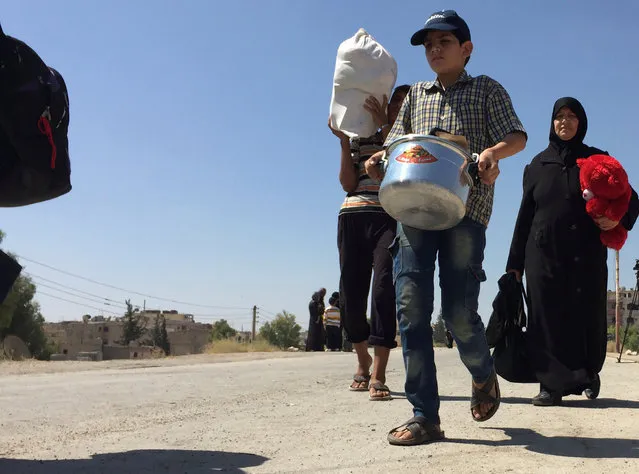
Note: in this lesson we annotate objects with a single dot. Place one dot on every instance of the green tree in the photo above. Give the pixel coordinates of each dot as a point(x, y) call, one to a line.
point(20, 316)
point(160, 336)
point(632, 339)
point(164, 342)
point(6, 311)
point(439, 330)
point(134, 327)
point(222, 330)
point(25, 318)
point(283, 331)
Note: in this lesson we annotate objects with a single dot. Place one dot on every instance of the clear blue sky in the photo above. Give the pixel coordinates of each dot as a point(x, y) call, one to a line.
point(203, 170)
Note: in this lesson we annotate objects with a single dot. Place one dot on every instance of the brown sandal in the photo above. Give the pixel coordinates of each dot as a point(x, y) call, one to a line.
point(482, 395)
point(379, 387)
point(360, 379)
point(422, 432)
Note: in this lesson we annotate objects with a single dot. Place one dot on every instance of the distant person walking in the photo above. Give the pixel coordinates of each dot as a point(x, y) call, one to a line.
point(316, 337)
point(332, 321)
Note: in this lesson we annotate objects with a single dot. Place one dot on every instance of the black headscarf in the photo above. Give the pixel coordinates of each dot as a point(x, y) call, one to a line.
point(569, 150)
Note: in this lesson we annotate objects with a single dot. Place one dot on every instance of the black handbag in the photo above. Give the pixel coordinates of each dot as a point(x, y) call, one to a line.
point(507, 332)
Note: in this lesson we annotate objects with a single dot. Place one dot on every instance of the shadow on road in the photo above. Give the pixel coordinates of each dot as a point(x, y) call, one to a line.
point(138, 462)
point(578, 447)
point(579, 403)
point(600, 403)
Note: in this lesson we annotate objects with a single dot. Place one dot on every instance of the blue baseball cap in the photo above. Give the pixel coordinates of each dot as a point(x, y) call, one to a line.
point(445, 20)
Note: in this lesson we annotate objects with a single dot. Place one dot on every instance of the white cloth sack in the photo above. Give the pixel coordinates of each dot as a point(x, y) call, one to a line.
point(362, 68)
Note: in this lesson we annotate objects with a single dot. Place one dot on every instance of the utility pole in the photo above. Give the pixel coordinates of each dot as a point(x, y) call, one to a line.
point(254, 322)
point(617, 304)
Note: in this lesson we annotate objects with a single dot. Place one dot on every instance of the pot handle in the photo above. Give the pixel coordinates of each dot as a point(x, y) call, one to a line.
point(472, 170)
point(383, 163)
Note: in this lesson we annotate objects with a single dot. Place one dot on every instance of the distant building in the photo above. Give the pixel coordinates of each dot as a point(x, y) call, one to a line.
point(625, 295)
point(170, 315)
point(104, 334)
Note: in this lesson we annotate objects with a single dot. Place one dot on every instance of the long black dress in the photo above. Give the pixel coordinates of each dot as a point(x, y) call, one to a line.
point(557, 245)
point(316, 336)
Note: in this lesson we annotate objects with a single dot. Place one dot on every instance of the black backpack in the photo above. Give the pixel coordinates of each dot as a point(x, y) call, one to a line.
point(34, 122)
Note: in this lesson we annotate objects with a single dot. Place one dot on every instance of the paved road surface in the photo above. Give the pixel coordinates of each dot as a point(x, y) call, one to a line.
point(293, 413)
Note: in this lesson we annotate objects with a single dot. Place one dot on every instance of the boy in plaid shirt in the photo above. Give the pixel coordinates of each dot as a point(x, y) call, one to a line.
point(480, 109)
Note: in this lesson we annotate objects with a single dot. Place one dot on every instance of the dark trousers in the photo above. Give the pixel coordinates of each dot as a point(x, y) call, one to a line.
point(363, 240)
point(333, 338)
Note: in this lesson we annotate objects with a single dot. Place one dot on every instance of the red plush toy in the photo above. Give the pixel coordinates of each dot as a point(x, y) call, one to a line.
point(607, 192)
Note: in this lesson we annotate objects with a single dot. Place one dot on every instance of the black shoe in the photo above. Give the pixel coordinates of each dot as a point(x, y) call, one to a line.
point(547, 399)
point(593, 391)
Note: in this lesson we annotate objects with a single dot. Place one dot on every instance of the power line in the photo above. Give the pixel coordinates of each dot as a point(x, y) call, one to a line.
point(84, 305)
point(264, 318)
point(93, 300)
point(267, 311)
point(114, 303)
point(75, 302)
point(37, 277)
point(128, 291)
point(215, 318)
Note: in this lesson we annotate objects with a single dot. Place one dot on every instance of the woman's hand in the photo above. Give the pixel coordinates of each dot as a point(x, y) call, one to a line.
point(377, 110)
point(517, 274)
point(605, 224)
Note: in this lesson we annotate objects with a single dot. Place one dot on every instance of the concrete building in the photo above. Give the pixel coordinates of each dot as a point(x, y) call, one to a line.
point(130, 352)
point(191, 340)
point(171, 315)
point(626, 296)
point(104, 335)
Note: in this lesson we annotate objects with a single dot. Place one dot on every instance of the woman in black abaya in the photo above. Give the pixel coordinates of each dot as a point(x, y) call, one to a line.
point(556, 244)
point(316, 335)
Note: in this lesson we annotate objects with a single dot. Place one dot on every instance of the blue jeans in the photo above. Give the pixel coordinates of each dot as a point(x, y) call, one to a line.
point(460, 253)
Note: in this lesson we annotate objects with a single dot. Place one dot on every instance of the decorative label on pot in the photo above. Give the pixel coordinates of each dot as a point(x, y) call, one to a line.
point(416, 154)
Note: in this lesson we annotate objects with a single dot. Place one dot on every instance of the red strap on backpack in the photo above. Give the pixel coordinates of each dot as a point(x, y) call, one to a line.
point(45, 128)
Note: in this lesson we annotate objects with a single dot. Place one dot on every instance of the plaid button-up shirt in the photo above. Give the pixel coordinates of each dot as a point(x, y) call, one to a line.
point(477, 107)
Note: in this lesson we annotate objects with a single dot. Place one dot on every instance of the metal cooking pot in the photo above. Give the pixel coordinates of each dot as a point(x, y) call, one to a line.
point(427, 181)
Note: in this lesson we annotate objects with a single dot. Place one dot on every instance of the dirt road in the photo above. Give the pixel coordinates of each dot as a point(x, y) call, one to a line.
point(293, 413)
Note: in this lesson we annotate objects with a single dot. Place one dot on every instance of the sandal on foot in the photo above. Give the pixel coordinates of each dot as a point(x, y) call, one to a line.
point(379, 387)
point(482, 395)
point(421, 430)
point(360, 379)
